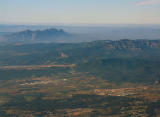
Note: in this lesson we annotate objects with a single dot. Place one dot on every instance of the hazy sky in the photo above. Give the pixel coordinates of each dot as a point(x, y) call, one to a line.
point(80, 11)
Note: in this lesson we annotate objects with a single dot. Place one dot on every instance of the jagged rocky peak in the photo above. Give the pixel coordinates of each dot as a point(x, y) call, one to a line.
point(37, 35)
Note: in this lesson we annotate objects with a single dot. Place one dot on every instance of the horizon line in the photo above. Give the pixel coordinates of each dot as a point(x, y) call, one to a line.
point(74, 24)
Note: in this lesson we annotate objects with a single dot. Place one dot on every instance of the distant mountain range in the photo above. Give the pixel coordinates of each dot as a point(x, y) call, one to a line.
point(92, 33)
point(36, 36)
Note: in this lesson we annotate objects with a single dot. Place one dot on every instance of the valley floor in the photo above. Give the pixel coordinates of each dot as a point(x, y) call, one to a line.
point(77, 95)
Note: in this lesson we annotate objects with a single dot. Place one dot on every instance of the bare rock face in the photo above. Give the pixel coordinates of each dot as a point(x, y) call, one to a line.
point(133, 45)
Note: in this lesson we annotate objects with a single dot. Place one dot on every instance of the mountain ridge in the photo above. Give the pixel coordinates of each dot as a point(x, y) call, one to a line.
point(51, 34)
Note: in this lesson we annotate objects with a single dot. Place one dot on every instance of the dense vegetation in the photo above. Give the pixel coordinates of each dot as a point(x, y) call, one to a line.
point(108, 105)
point(116, 61)
point(124, 70)
point(21, 74)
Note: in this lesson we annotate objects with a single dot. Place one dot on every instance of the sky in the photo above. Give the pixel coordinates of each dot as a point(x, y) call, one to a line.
point(79, 12)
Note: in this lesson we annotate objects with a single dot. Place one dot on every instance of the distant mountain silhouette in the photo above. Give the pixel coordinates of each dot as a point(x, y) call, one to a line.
point(38, 35)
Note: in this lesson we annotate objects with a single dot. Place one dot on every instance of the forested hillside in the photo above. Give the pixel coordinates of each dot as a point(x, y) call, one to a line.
point(115, 61)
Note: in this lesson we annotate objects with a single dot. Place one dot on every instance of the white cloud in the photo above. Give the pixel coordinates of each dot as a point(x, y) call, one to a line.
point(148, 2)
